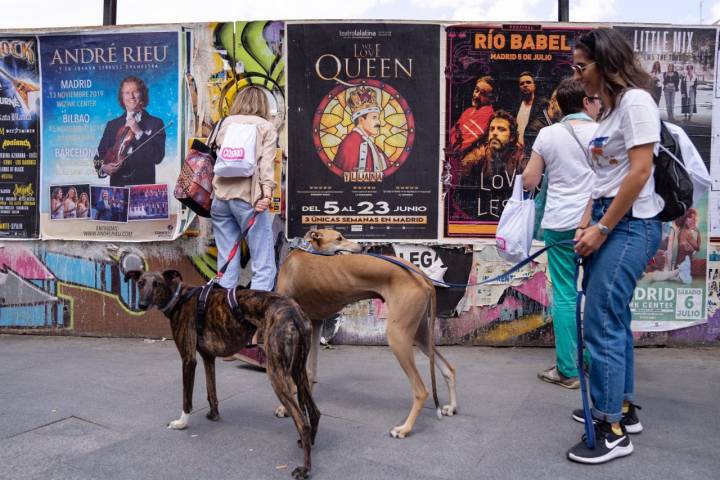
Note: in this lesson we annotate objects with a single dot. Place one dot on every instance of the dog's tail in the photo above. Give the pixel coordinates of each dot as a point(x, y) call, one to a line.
point(432, 315)
point(298, 372)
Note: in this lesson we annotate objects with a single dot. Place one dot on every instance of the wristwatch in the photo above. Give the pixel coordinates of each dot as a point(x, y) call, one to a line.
point(603, 229)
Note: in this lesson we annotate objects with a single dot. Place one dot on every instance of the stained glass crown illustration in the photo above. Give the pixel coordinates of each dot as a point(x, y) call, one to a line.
point(363, 100)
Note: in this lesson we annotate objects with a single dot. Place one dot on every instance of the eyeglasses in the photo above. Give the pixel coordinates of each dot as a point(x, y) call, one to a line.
point(594, 98)
point(579, 69)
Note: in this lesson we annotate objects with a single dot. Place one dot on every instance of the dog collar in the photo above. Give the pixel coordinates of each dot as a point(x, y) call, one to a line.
point(299, 243)
point(173, 300)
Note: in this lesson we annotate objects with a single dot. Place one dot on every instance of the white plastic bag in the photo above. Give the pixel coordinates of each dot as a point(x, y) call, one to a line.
point(236, 156)
point(515, 229)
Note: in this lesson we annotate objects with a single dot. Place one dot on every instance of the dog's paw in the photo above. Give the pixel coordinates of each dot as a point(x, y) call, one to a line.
point(399, 432)
point(213, 415)
point(181, 423)
point(280, 412)
point(300, 473)
point(449, 410)
point(177, 425)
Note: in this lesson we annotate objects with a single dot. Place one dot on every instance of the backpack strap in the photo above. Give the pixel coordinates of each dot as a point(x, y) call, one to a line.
point(213, 135)
point(570, 130)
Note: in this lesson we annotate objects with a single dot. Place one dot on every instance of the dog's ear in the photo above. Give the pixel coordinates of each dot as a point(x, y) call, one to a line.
point(132, 274)
point(171, 276)
point(314, 235)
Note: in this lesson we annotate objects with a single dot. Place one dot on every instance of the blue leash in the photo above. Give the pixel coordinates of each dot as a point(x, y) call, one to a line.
point(505, 276)
point(587, 415)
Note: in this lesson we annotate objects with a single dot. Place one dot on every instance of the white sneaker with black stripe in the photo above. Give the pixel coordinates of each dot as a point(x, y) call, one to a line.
point(608, 446)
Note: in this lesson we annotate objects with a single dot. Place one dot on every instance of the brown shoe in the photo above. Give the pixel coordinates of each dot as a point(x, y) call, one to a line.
point(253, 354)
point(553, 375)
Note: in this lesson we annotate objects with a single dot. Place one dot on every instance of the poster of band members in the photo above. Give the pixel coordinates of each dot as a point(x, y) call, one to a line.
point(19, 137)
point(672, 292)
point(110, 121)
point(363, 129)
point(500, 81)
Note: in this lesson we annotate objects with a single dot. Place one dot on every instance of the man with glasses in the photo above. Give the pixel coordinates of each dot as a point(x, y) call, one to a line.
point(474, 121)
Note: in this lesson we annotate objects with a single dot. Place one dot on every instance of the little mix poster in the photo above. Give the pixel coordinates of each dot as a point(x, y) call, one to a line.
point(363, 125)
point(110, 124)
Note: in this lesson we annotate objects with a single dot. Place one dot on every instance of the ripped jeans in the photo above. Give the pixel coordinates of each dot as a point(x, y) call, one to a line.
point(611, 274)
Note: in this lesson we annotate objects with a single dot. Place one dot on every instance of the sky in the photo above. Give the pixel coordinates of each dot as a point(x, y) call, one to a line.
point(66, 13)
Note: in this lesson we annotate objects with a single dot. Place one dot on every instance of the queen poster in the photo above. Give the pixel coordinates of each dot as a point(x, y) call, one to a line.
point(109, 122)
point(19, 116)
point(363, 129)
point(499, 92)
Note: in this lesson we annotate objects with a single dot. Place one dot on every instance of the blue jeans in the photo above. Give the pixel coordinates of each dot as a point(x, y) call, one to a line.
point(611, 274)
point(229, 218)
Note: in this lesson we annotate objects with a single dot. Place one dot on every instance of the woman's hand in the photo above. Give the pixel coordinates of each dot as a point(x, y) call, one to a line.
point(588, 240)
point(262, 204)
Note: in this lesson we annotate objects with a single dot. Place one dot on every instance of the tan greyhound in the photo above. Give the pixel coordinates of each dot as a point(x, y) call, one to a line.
point(324, 284)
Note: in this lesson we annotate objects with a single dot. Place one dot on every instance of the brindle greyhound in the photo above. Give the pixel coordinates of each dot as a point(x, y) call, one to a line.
point(286, 332)
point(324, 284)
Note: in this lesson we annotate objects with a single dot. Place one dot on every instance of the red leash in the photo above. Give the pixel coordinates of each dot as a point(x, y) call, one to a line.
point(235, 248)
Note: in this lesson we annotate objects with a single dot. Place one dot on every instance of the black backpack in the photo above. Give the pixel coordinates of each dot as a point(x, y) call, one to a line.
point(672, 181)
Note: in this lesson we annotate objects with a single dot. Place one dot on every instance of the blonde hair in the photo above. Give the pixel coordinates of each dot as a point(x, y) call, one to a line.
point(250, 101)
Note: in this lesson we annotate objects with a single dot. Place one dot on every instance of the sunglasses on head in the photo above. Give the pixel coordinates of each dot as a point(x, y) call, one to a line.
point(579, 69)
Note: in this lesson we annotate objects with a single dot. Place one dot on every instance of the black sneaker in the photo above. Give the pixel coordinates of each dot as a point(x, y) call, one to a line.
point(630, 420)
point(608, 446)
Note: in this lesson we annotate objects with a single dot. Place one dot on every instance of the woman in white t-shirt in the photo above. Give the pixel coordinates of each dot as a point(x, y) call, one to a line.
point(618, 234)
point(561, 151)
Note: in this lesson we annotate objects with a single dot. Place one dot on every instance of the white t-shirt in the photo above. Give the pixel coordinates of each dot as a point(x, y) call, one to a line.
point(634, 121)
point(570, 178)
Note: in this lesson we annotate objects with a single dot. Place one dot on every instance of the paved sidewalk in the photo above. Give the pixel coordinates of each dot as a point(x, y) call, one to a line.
point(86, 408)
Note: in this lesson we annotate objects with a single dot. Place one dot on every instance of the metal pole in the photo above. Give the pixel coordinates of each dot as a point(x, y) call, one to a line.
point(109, 12)
point(563, 10)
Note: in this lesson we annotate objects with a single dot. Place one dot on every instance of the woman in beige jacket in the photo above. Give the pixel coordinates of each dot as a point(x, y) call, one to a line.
point(236, 198)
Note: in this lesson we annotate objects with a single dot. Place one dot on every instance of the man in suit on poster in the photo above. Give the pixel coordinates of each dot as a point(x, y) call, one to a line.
point(133, 143)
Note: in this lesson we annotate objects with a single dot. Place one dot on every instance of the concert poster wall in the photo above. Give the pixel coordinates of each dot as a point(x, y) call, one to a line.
point(499, 81)
point(672, 292)
point(110, 104)
point(363, 129)
point(19, 137)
